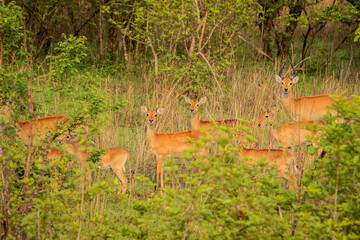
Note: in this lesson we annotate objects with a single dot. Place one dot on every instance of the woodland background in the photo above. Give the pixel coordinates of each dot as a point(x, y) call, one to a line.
point(99, 61)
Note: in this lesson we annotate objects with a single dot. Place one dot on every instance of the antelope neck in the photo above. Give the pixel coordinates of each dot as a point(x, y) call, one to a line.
point(150, 132)
point(78, 152)
point(271, 129)
point(195, 120)
point(287, 101)
point(287, 95)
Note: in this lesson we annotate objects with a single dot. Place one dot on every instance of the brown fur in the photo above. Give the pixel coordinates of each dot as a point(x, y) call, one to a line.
point(197, 124)
point(42, 126)
point(114, 158)
point(55, 154)
point(281, 159)
point(303, 108)
point(167, 144)
point(289, 134)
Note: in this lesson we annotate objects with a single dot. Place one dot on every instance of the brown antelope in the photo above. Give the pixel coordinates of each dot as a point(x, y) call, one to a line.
point(289, 134)
point(41, 126)
point(167, 144)
point(281, 159)
point(197, 124)
point(113, 158)
point(302, 108)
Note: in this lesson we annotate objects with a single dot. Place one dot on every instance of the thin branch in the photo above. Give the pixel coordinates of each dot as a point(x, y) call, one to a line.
point(203, 29)
point(338, 47)
point(212, 71)
point(7, 205)
point(256, 48)
point(89, 19)
point(29, 204)
point(30, 142)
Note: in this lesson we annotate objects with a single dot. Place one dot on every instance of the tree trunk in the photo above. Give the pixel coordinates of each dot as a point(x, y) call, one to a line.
point(1, 53)
point(283, 38)
point(101, 47)
point(265, 27)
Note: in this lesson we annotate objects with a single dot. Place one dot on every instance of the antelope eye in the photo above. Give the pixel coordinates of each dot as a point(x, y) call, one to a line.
point(68, 136)
point(282, 83)
point(147, 114)
point(266, 116)
point(155, 115)
point(197, 105)
point(290, 84)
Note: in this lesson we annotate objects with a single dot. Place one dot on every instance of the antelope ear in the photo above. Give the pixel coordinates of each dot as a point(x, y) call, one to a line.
point(202, 100)
point(187, 99)
point(159, 110)
point(263, 108)
point(144, 109)
point(295, 79)
point(278, 78)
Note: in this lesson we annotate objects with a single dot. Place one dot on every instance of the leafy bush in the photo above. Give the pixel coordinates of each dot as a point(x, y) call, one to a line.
point(331, 205)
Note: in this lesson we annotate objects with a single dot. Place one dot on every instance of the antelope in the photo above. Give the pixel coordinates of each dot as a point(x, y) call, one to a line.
point(290, 134)
point(167, 144)
point(41, 126)
point(197, 124)
point(113, 158)
point(283, 160)
point(302, 108)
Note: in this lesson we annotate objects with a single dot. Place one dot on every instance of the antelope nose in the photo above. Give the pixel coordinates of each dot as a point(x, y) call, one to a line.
point(192, 110)
point(259, 125)
point(151, 120)
point(286, 90)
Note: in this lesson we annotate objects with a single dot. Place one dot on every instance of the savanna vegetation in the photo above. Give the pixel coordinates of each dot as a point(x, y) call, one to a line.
point(98, 61)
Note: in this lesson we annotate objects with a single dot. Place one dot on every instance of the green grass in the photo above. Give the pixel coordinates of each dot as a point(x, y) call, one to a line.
point(243, 93)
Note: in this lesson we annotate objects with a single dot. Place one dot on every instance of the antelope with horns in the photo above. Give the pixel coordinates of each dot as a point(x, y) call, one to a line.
point(167, 144)
point(302, 108)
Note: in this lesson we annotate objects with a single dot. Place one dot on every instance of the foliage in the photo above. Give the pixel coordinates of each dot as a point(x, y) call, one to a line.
point(11, 28)
point(166, 27)
point(357, 34)
point(332, 189)
point(192, 43)
point(71, 51)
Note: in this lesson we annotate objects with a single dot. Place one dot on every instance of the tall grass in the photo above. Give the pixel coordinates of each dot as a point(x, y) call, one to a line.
point(242, 94)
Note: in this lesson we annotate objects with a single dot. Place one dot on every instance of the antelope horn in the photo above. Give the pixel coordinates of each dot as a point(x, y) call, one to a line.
point(281, 71)
point(294, 72)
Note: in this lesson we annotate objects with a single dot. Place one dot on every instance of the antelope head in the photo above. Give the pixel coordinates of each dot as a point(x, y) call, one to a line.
point(266, 116)
point(194, 104)
point(151, 115)
point(287, 82)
